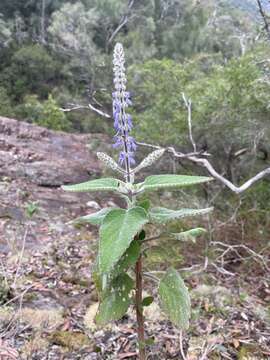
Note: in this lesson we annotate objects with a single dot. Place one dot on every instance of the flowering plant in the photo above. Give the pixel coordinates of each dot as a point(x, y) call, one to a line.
point(121, 236)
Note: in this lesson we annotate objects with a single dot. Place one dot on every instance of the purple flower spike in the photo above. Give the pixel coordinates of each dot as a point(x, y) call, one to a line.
point(122, 120)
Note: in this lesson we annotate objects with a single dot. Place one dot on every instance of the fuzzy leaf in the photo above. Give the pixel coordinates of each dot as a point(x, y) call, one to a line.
point(155, 182)
point(93, 219)
point(163, 215)
point(116, 233)
point(105, 184)
point(174, 298)
point(116, 301)
point(189, 234)
point(109, 162)
point(150, 159)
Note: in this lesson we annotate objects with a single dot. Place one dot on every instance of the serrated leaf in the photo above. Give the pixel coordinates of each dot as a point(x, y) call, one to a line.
point(189, 234)
point(174, 299)
point(105, 184)
point(116, 233)
point(116, 301)
point(163, 215)
point(155, 182)
point(93, 219)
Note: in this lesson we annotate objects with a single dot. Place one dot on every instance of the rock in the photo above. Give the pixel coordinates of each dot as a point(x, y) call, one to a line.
point(93, 204)
point(44, 157)
point(34, 163)
point(89, 318)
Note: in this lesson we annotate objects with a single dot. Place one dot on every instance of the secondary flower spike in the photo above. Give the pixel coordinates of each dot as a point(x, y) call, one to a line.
point(122, 120)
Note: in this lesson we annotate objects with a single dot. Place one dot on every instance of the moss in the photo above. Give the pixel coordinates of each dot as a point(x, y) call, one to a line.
point(70, 340)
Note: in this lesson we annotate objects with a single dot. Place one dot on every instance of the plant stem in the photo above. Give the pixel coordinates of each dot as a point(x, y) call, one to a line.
point(139, 309)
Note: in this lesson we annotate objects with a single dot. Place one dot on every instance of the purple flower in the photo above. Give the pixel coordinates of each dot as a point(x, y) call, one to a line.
point(122, 120)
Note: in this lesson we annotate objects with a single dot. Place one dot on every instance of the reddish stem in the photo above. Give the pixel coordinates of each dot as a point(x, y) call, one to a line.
point(139, 309)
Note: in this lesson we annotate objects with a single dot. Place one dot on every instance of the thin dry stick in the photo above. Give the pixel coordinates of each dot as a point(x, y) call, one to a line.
point(181, 345)
point(20, 258)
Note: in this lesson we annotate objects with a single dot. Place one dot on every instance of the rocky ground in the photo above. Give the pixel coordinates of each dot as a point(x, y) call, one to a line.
point(47, 298)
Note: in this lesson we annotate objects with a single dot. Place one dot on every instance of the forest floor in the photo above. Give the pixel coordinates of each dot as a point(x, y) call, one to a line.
point(48, 300)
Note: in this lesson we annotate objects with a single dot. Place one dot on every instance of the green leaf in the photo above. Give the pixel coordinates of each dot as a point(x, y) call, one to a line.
point(127, 260)
point(142, 235)
point(116, 233)
point(155, 182)
point(189, 234)
point(150, 341)
point(96, 277)
point(93, 219)
point(105, 184)
point(145, 204)
point(174, 298)
point(147, 301)
point(116, 301)
point(163, 215)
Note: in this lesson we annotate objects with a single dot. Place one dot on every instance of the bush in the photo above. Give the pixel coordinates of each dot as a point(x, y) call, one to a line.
point(47, 113)
point(5, 104)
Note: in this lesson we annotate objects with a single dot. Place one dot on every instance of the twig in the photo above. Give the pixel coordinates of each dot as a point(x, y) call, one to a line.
point(181, 345)
point(122, 23)
point(234, 248)
point(20, 258)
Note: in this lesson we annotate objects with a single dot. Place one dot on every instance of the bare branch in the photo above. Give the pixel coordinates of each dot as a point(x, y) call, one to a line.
point(196, 157)
point(193, 157)
point(122, 23)
point(264, 17)
point(89, 106)
point(237, 189)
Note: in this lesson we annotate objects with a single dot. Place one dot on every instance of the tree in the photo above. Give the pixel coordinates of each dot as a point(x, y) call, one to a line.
point(31, 70)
